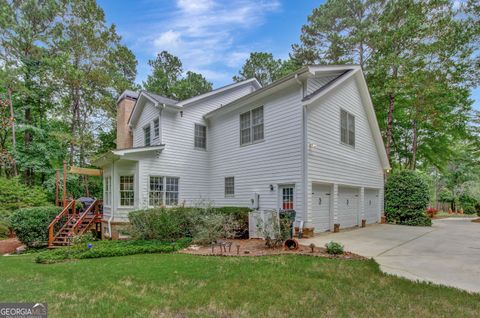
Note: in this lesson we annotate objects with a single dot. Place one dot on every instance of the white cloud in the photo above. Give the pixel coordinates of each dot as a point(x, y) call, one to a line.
point(169, 39)
point(206, 34)
point(195, 5)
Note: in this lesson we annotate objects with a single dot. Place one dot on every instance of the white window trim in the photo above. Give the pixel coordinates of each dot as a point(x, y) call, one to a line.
point(348, 130)
point(107, 195)
point(229, 195)
point(120, 192)
point(144, 128)
point(156, 136)
point(251, 142)
point(280, 195)
point(194, 136)
point(164, 195)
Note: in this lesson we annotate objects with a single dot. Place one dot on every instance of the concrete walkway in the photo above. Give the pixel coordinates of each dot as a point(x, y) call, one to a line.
point(448, 253)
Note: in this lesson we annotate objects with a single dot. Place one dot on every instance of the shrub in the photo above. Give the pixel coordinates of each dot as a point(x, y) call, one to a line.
point(214, 226)
point(31, 224)
point(109, 249)
point(406, 199)
point(431, 212)
point(334, 248)
point(170, 224)
point(468, 203)
point(276, 231)
point(15, 195)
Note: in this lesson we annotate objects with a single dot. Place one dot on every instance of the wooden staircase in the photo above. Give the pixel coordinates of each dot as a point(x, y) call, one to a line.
point(70, 221)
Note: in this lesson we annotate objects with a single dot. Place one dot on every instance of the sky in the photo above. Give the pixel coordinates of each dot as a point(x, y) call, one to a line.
point(211, 37)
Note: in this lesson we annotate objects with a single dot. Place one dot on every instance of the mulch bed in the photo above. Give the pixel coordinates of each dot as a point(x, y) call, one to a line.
point(256, 247)
point(476, 220)
point(9, 245)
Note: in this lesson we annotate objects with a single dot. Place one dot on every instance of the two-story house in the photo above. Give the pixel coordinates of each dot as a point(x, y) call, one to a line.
point(309, 142)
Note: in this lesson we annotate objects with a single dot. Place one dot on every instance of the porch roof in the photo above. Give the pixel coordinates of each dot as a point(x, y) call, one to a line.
point(113, 155)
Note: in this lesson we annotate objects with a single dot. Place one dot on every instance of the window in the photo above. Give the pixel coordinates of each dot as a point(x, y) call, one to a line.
point(127, 191)
point(251, 126)
point(200, 136)
point(171, 191)
point(287, 198)
point(108, 190)
point(156, 127)
point(347, 128)
point(156, 192)
point(229, 187)
point(146, 135)
point(163, 191)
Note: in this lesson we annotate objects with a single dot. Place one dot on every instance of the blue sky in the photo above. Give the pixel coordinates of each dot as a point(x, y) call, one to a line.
point(212, 37)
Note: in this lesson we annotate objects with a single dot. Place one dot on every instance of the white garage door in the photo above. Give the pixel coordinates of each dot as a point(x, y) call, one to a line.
point(372, 206)
point(321, 195)
point(348, 209)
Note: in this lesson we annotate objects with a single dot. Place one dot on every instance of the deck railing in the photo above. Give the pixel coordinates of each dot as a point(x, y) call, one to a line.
point(65, 213)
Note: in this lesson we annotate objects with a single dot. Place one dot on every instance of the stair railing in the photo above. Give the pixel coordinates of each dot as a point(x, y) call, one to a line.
point(94, 206)
point(64, 212)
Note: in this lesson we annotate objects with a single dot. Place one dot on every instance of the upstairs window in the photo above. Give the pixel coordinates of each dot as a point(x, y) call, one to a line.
point(127, 191)
point(347, 128)
point(156, 128)
point(229, 187)
point(251, 126)
point(146, 135)
point(200, 137)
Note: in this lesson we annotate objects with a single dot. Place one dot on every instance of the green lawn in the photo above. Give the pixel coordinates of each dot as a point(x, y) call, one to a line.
point(177, 285)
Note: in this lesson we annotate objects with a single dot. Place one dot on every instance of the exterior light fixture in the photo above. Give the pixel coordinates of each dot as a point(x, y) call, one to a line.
point(271, 187)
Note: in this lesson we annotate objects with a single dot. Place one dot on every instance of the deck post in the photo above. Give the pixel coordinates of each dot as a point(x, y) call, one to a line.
point(64, 183)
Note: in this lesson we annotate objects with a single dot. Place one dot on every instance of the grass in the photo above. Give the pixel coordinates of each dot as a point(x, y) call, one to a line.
point(178, 285)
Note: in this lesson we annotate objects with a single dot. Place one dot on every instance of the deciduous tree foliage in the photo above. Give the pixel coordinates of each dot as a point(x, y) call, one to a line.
point(166, 79)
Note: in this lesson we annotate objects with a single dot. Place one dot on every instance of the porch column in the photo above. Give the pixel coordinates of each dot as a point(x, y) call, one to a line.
point(362, 206)
point(334, 206)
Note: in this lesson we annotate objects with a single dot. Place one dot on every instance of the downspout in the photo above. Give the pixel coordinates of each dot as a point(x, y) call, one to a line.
point(109, 222)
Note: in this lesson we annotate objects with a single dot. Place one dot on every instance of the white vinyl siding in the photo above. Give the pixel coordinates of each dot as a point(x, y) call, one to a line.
point(333, 163)
point(127, 191)
point(147, 138)
point(108, 191)
point(276, 160)
point(200, 136)
point(347, 128)
point(156, 128)
point(251, 126)
point(229, 187)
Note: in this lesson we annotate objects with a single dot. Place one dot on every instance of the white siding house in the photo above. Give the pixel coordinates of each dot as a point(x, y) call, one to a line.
point(309, 142)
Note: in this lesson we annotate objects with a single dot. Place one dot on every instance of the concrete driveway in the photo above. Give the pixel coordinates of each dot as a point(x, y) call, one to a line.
point(448, 253)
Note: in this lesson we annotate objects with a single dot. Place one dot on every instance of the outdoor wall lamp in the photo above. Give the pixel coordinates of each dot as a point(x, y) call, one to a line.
point(271, 187)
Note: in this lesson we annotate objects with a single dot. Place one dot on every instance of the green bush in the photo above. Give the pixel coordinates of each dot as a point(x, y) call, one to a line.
point(109, 249)
point(468, 203)
point(31, 224)
point(334, 248)
point(15, 195)
point(406, 199)
point(170, 224)
point(214, 226)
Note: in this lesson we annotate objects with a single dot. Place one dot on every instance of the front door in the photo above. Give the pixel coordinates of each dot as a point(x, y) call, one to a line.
point(287, 197)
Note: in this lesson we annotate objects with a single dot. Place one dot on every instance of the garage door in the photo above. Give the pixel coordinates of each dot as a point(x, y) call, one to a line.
point(372, 206)
point(348, 209)
point(321, 195)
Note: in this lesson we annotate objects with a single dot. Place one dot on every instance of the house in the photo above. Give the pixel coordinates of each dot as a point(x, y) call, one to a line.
point(309, 142)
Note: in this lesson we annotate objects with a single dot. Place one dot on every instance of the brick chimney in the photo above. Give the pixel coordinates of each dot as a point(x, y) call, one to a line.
point(125, 104)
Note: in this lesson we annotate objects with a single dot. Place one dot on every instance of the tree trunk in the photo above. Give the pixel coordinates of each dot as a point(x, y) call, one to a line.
point(413, 164)
point(391, 108)
point(14, 138)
